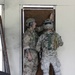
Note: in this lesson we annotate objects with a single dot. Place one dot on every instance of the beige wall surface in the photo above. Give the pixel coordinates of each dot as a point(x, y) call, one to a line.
point(12, 34)
point(50, 2)
point(65, 26)
point(1, 1)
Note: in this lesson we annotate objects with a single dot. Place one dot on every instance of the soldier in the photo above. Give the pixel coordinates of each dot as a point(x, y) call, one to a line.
point(49, 41)
point(30, 61)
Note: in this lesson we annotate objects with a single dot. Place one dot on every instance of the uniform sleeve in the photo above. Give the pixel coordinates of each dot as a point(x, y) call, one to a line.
point(26, 40)
point(39, 44)
point(60, 42)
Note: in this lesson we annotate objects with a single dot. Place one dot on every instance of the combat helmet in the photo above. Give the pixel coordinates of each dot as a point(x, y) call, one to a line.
point(48, 24)
point(29, 22)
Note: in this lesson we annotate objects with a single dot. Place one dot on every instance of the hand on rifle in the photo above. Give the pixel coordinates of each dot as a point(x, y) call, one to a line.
point(52, 17)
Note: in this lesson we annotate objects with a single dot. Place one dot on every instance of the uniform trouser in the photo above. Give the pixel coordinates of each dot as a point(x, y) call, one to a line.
point(45, 65)
point(30, 67)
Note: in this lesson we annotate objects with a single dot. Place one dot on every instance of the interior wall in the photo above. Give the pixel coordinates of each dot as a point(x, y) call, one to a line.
point(65, 26)
point(12, 34)
point(48, 2)
point(1, 1)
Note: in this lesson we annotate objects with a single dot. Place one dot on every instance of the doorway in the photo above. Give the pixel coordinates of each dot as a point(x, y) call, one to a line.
point(39, 13)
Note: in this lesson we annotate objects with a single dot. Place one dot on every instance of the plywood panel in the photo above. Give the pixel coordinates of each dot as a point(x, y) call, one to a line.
point(38, 15)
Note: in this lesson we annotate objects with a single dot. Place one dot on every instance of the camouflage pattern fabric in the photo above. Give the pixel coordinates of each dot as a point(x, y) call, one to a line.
point(49, 42)
point(29, 41)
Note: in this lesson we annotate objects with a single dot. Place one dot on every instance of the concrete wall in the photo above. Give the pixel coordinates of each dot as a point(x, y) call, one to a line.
point(52, 2)
point(65, 26)
point(1, 1)
point(12, 33)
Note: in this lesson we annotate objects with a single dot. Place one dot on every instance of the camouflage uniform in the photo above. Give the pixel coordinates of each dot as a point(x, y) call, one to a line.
point(49, 42)
point(29, 42)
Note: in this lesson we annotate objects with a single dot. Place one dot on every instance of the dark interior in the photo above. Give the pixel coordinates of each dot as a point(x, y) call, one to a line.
point(38, 15)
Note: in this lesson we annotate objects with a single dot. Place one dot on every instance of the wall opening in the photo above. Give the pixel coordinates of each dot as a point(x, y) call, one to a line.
point(39, 13)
